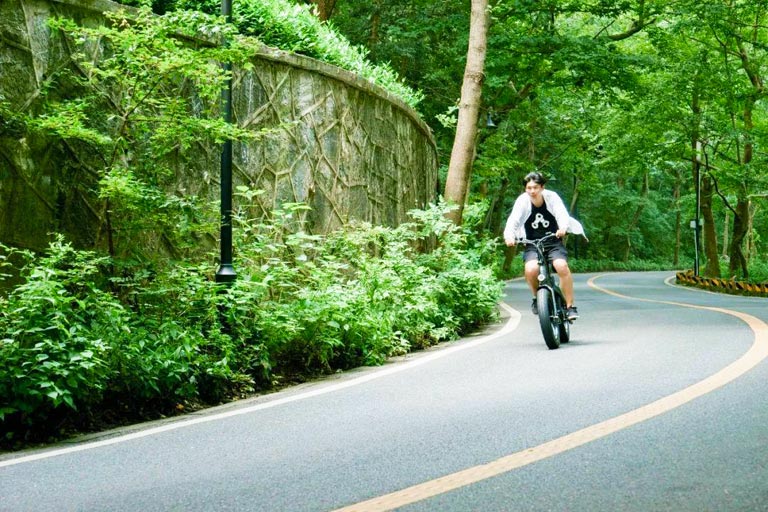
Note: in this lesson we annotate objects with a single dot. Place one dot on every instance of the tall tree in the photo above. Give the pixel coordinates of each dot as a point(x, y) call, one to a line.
point(463, 152)
point(702, 179)
point(737, 29)
point(741, 220)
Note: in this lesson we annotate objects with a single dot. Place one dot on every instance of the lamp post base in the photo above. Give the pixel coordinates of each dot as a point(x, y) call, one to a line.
point(226, 274)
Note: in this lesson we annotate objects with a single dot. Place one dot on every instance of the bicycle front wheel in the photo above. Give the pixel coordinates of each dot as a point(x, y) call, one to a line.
point(563, 324)
point(549, 327)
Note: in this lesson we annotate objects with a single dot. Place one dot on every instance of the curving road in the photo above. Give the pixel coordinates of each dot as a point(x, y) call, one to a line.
point(659, 403)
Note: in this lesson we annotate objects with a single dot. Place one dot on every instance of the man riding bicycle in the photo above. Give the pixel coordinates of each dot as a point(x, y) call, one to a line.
point(536, 213)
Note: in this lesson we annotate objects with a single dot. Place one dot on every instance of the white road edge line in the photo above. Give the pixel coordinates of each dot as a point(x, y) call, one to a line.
point(511, 325)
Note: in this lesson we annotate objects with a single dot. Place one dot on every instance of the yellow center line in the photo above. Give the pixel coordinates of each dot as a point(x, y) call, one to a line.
point(756, 353)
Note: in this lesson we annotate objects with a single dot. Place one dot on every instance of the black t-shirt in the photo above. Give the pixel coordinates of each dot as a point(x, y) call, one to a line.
point(540, 222)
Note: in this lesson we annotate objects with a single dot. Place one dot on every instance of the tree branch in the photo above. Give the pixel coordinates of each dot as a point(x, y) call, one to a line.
point(637, 25)
point(717, 190)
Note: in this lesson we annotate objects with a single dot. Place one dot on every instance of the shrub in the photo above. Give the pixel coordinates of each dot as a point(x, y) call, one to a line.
point(758, 270)
point(76, 343)
point(70, 349)
point(293, 27)
point(58, 329)
point(358, 295)
point(176, 350)
point(633, 265)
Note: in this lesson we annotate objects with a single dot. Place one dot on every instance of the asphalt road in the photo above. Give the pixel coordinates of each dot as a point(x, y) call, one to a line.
point(657, 404)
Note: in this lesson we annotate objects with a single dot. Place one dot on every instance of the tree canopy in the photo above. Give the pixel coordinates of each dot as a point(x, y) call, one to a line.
point(627, 105)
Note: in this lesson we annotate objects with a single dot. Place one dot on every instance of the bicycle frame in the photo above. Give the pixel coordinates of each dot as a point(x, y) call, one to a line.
point(552, 316)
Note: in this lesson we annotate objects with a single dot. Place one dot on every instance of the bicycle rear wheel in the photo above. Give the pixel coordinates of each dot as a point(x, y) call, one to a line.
point(549, 327)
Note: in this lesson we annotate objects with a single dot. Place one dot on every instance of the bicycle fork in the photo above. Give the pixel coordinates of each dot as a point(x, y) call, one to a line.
point(546, 280)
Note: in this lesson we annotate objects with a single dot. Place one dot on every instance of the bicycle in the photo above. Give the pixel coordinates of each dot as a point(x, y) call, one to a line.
point(550, 300)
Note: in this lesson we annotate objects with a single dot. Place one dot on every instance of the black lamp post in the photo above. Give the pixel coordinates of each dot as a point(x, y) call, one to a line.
point(226, 272)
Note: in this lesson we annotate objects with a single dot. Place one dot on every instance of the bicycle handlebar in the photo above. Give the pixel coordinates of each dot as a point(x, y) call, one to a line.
point(534, 242)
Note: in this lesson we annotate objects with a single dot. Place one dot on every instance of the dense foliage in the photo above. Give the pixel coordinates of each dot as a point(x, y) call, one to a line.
point(610, 99)
point(293, 27)
point(79, 347)
point(138, 103)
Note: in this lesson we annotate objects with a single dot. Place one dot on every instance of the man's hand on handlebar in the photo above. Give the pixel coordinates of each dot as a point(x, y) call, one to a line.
point(511, 243)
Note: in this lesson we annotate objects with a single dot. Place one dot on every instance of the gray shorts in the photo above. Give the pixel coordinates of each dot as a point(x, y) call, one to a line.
point(557, 251)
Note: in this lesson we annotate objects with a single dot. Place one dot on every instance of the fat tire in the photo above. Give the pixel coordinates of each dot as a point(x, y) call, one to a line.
point(549, 329)
point(565, 325)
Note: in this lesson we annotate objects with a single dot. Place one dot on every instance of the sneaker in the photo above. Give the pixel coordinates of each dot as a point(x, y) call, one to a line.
point(572, 313)
point(534, 307)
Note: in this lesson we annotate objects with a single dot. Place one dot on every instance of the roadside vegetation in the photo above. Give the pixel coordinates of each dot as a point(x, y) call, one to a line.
point(294, 28)
point(88, 341)
point(136, 327)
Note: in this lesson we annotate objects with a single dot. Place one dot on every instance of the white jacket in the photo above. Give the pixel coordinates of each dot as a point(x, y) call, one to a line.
point(515, 227)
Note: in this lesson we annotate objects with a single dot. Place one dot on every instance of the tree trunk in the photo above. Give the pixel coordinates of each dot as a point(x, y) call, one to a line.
point(575, 196)
point(712, 268)
point(463, 152)
point(324, 8)
point(751, 243)
point(373, 37)
point(678, 219)
point(741, 215)
point(738, 263)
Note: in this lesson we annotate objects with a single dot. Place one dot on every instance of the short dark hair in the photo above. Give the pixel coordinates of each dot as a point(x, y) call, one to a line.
point(536, 177)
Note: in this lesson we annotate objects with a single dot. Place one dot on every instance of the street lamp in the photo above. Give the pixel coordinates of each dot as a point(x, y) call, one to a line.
point(226, 272)
point(489, 120)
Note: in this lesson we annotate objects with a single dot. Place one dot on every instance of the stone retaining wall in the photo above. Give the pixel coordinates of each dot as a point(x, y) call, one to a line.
point(346, 147)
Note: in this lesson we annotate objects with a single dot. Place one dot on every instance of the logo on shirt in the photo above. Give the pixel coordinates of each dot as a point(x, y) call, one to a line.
point(539, 220)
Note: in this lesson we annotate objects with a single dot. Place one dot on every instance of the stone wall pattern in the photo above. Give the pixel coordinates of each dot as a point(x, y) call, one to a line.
point(344, 146)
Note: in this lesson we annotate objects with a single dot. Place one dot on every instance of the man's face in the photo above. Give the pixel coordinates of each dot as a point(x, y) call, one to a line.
point(533, 190)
